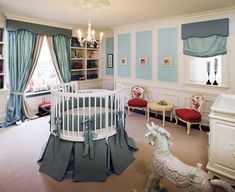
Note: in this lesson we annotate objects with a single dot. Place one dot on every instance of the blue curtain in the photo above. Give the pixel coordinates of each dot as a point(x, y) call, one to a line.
point(62, 50)
point(21, 45)
point(205, 47)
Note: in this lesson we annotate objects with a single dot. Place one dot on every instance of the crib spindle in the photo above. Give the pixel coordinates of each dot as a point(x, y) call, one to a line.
point(95, 104)
point(106, 114)
point(73, 116)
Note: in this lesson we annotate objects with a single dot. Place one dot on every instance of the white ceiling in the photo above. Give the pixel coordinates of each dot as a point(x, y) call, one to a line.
point(119, 12)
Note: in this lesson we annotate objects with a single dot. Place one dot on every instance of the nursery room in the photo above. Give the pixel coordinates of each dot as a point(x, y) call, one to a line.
point(105, 95)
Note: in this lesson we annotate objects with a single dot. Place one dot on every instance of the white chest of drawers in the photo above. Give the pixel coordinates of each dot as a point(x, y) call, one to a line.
point(222, 138)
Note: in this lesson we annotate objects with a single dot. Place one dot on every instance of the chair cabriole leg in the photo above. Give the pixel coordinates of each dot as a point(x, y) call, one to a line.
point(128, 112)
point(176, 120)
point(188, 127)
point(200, 127)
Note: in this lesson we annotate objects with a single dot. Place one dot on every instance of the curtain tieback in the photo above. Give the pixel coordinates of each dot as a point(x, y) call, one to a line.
point(18, 93)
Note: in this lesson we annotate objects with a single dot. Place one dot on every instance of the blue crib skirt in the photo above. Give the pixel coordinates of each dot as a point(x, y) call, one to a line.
point(63, 158)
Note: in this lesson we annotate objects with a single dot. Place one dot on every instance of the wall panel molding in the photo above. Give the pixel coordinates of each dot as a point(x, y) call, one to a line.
point(178, 97)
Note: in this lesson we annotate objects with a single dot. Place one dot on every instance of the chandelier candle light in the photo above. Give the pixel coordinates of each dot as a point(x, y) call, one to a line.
point(90, 39)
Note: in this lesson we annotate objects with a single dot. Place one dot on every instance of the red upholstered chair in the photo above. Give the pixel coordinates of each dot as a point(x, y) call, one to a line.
point(137, 101)
point(191, 115)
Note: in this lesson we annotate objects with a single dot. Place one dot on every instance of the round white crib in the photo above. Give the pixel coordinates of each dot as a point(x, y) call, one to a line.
point(74, 110)
point(88, 140)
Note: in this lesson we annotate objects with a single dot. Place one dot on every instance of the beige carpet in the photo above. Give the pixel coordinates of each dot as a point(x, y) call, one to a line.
point(21, 145)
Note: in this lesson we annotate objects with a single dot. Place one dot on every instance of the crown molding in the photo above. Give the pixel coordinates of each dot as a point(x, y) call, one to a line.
point(215, 13)
point(38, 21)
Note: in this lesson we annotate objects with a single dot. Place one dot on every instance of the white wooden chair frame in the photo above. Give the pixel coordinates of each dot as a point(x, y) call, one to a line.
point(191, 123)
point(141, 108)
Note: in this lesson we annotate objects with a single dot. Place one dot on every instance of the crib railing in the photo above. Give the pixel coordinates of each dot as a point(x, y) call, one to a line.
point(75, 112)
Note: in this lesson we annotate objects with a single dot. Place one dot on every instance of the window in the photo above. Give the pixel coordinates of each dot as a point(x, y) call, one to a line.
point(201, 41)
point(44, 76)
point(196, 70)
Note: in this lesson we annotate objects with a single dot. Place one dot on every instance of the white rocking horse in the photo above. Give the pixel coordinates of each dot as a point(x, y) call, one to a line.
point(189, 178)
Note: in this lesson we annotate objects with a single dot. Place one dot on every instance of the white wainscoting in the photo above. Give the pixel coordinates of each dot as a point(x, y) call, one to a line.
point(35, 101)
point(178, 97)
point(108, 83)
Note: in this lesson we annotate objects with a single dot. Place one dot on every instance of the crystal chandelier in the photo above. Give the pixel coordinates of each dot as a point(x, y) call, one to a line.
point(90, 39)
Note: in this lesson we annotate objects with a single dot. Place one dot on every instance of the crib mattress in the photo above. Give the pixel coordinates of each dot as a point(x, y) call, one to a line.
point(86, 110)
point(73, 119)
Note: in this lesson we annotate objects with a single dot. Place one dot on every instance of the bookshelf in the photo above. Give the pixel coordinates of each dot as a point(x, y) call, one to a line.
point(3, 92)
point(85, 61)
point(2, 74)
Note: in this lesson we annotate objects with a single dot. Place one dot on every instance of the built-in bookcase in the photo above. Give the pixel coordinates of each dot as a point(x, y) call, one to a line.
point(2, 74)
point(3, 92)
point(85, 62)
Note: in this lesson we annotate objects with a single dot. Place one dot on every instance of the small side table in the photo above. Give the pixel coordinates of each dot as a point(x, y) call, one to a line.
point(154, 106)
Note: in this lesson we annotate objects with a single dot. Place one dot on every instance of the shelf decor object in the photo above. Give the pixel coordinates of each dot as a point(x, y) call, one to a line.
point(208, 72)
point(215, 70)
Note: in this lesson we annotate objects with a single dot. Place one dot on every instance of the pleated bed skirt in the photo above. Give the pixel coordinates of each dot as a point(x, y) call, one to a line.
point(62, 158)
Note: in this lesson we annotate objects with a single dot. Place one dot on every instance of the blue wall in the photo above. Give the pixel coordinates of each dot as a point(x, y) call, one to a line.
point(109, 50)
point(167, 47)
point(124, 51)
point(144, 50)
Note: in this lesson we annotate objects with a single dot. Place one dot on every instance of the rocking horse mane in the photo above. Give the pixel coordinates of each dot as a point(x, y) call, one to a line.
point(154, 130)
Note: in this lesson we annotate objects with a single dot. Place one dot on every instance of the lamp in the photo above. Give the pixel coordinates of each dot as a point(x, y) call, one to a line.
point(90, 39)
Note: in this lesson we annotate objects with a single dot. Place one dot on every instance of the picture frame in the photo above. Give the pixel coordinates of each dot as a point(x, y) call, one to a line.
point(143, 61)
point(167, 61)
point(110, 60)
point(123, 61)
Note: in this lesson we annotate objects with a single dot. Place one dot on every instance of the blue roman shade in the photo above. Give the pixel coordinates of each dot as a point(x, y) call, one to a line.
point(205, 39)
point(13, 25)
point(205, 29)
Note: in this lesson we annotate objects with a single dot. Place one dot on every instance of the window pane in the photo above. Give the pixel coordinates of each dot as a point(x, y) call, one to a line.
point(44, 76)
point(199, 69)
